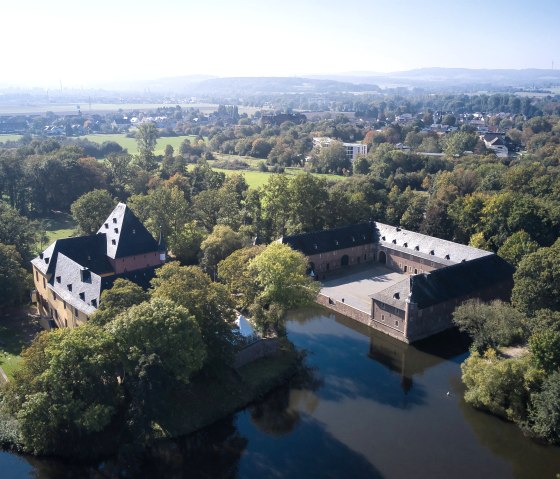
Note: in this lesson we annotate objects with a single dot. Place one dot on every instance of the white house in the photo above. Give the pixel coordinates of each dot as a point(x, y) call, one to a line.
point(352, 149)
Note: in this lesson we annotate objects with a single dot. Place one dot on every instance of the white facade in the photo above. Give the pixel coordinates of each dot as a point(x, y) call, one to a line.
point(352, 149)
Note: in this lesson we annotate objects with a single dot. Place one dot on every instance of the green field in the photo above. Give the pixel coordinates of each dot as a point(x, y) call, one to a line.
point(86, 108)
point(57, 226)
point(4, 138)
point(132, 147)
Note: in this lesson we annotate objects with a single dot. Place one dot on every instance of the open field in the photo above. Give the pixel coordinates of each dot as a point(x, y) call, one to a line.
point(4, 138)
point(17, 328)
point(56, 226)
point(130, 143)
point(40, 107)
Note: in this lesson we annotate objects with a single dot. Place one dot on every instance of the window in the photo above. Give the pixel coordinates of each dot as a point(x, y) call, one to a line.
point(415, 271)
point(382, 317)
point(83, 296)
point(116, 230)
point(396, 323)
point(106, 225)
point(75, 311)
point(36, 276)
point(113, 241)
point(94, 303)
point(44, 283)
point(114, 220)
point(133, 231)
point(58, 279)
point(405, 268)
point(64, 303)
point(69, 286)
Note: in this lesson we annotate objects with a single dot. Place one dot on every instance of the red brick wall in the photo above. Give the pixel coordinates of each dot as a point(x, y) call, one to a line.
point(132, 263)
point(332, 261)
point(407, 262)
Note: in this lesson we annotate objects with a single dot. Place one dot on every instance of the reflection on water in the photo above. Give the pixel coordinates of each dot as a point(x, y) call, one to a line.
point(365, 406)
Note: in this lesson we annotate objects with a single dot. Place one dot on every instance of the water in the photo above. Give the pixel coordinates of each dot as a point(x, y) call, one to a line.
point(369, 407)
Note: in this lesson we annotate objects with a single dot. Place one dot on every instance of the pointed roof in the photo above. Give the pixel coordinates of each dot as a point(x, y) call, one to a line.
point(126, 235)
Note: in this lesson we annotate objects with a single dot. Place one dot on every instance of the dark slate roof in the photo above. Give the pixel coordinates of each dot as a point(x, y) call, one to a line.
point(141, 277)
point(459, 280)
point(88, 251)
point(428, 247)
point(69, 272)
point(126, 235)
point(394, 295)
point(330, 240)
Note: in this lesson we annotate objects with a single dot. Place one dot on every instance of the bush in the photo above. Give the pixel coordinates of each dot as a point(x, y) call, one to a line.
point(544, 411)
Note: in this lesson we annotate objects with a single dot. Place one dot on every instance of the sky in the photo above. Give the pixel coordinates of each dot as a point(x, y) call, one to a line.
point(91, 43)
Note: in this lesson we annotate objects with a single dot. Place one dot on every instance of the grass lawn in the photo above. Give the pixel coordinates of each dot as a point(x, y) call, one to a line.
point(17, 329)
point(130, 143)
point(4, 138)
point(57, 226)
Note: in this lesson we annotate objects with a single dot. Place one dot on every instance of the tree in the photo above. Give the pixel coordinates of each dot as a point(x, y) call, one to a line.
point(122, 295)
point(544, 411)
point(281, 275)
point(332, 159)
point(146, 139)
point(138, 335)
point(276, 204)
point(17, 230)
point(14, 280)
point(490, 324)
point(219, 245)
point(308, 200)
point(234, 271)
point(185, 243)
point(91, 209)
point(66, 392)
point(537, 281)
point(210, 304)
point(517, 246)
point(545, 348)
point(457, 142)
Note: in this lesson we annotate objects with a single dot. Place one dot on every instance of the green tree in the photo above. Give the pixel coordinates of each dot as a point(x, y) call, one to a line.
point(219, 245)
point(537, 281)
point(122, 295)
point(185, 243)
point(210, 303)
point(457, 142)
point(276, 204)
point(544, 411)
point(490, 324)
point(138, 335)
point(17, 230)
point(146, 139)
point(545, 348)
point(14, 280)
point(517, 246)
point(281, 275)
point(91, 209)
point(332, 159)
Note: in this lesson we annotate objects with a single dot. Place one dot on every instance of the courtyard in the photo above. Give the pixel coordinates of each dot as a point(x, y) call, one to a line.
point(355, 285)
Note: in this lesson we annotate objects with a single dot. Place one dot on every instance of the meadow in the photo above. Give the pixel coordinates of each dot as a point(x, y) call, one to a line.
point(132, 147)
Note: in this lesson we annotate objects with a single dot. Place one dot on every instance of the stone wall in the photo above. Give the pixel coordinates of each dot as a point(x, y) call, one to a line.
point(325, 263)
point(344, 309)
point(259, 349)
point(408, 262)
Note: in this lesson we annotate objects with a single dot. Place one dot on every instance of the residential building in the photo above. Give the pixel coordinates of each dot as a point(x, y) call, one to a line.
point(495, 142)
point(71, 274)
point(353, 150)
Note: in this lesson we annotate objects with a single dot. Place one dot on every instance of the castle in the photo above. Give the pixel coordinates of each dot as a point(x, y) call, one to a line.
point(409, 283)
point(71, 274)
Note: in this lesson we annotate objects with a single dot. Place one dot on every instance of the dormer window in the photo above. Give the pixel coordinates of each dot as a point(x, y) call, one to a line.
point(83, 296)
point(417, 248)
point(85, 275)
point(405, 245)
point(113, 241)
point(432, 252)
point(353, 239)
point(394, 241)
point(447, 256)
point(383, 238)
point(58, 279)
point(114, 220)
point(41, 255)
point(116, 230)
point(397, 295)
point(107, 226)
point(94, 303)
point(69, 286)
point(133, 231)
point(47, 260)
point(336, 242)
point(315, 246)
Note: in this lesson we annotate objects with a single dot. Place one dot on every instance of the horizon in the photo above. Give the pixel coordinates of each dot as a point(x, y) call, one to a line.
point(67, 45)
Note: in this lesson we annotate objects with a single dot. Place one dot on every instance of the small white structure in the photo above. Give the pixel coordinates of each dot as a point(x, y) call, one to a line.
point(495, 143)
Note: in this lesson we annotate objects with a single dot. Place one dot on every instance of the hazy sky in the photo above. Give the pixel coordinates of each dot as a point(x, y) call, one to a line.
point(84, 43)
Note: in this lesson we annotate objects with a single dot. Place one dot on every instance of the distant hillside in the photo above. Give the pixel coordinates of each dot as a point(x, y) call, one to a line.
point(434, 77)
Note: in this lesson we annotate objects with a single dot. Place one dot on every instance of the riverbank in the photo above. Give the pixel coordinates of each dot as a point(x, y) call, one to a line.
point(189, 408)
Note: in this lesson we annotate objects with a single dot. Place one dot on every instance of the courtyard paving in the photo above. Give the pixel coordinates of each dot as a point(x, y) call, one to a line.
point(356, 284)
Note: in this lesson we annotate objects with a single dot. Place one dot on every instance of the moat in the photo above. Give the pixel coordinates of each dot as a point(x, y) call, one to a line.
point(368, 407)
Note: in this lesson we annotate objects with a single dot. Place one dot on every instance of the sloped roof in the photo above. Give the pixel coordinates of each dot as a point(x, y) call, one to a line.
point(88, 251)
point(330, 240)
point(126, 235)
point(459, 280)
point(429, 247)
point(394, 295)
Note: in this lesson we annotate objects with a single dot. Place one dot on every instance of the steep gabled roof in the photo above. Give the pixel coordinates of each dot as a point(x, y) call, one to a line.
point(459, 280)
point(126, 235)
point(330, 240)
point(88, 251)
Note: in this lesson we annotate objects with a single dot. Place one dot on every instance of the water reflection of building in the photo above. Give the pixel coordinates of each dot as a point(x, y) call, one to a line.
point(406, 359)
